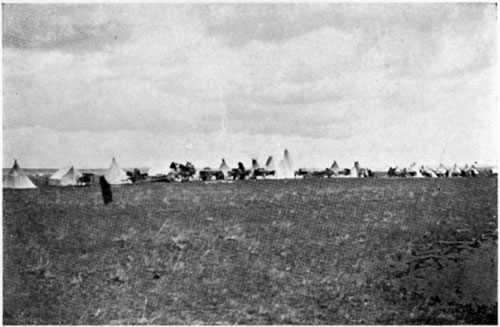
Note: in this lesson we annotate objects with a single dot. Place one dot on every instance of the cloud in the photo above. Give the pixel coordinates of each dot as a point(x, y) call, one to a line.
point(342, 76)
point(64, 27)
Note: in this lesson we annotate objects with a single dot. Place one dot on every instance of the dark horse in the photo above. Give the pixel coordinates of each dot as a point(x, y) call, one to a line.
point(85, 179)
point(183, 172)
point(239, 173)
point(207, 174)
point(136, 175)
point(261, 172)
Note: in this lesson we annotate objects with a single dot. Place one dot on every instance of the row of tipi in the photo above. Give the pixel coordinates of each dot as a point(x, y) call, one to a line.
point(285, 169)
point(115, 175)
point(66, 176)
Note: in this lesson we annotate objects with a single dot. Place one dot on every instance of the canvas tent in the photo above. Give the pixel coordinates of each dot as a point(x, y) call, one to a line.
point(335, 168)
point(454, 172)
point(65, 176)
point(255, 165)
point(224, 168)
point(16, 178)
point(470, 171)
point(414, 171)
point(428, 172)
point(354, 170)
point(270, 164)
point(441, 171)
point(115, 175)
point(285, 168)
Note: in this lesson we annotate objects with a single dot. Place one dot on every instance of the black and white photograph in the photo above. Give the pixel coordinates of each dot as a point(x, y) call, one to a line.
point(250, 163)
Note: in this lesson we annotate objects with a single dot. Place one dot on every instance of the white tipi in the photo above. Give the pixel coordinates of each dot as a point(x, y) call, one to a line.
point(441, 171)
point(65, 176)
point(285, 168)
point(428, 172)
point(335, 168)
point(270, 164)
point(455, 172)
point(255, 166)
point(414, 171)
point(354, 173)
point(224, 168)
point(474, 171)
point(16, 178)
point(115, 175)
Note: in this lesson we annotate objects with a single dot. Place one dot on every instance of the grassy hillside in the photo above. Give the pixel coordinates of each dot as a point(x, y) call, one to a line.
point(339, 251)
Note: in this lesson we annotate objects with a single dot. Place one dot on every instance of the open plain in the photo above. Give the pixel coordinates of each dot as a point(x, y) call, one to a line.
point(316, 251)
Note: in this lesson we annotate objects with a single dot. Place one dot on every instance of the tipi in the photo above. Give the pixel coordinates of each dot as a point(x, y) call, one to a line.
point(16, 178)
point(255, 166)
point(441, 171)
point(285, 168)
point(65, 176)
point(414, 171)
point(224, 168)
point(354, 170)
point(270, 164)
point(115, 175)
point(466, 171)
point(335, 168)
point(427, 172)
point(455, 172)
point(473, 170)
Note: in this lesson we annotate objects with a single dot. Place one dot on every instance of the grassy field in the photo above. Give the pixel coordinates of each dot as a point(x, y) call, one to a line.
point(329, 251)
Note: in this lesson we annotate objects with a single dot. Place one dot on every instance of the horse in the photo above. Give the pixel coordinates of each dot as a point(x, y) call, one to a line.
point(261, 172)
point(206, 174)
point(136, 175)
point(239, 173)
point(326, 173)
point(85, 179)
point(396, 172)
point(301, 172)
point(187, 171)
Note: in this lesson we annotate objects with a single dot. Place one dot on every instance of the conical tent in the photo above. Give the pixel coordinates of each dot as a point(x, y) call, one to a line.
point(270, 164)
point(115, 175)
point(354, 170)
point(224, 168)
point(16, 178)
point(441, 170)
point(418, 174)
point(414, 171)
point(454, 171)
point(429, 172)
point(255, 165)
point(474, 170)
point(285, 167)
point(335, 168)
point(65, 176)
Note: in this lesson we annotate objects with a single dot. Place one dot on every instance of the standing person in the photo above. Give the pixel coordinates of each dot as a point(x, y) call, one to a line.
point(106, 190)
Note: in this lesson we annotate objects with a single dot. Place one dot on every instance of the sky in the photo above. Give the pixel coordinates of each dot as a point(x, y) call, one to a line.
point(382, 84)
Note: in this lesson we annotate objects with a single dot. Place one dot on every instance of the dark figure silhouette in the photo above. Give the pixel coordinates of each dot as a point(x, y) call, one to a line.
point(107, 196)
